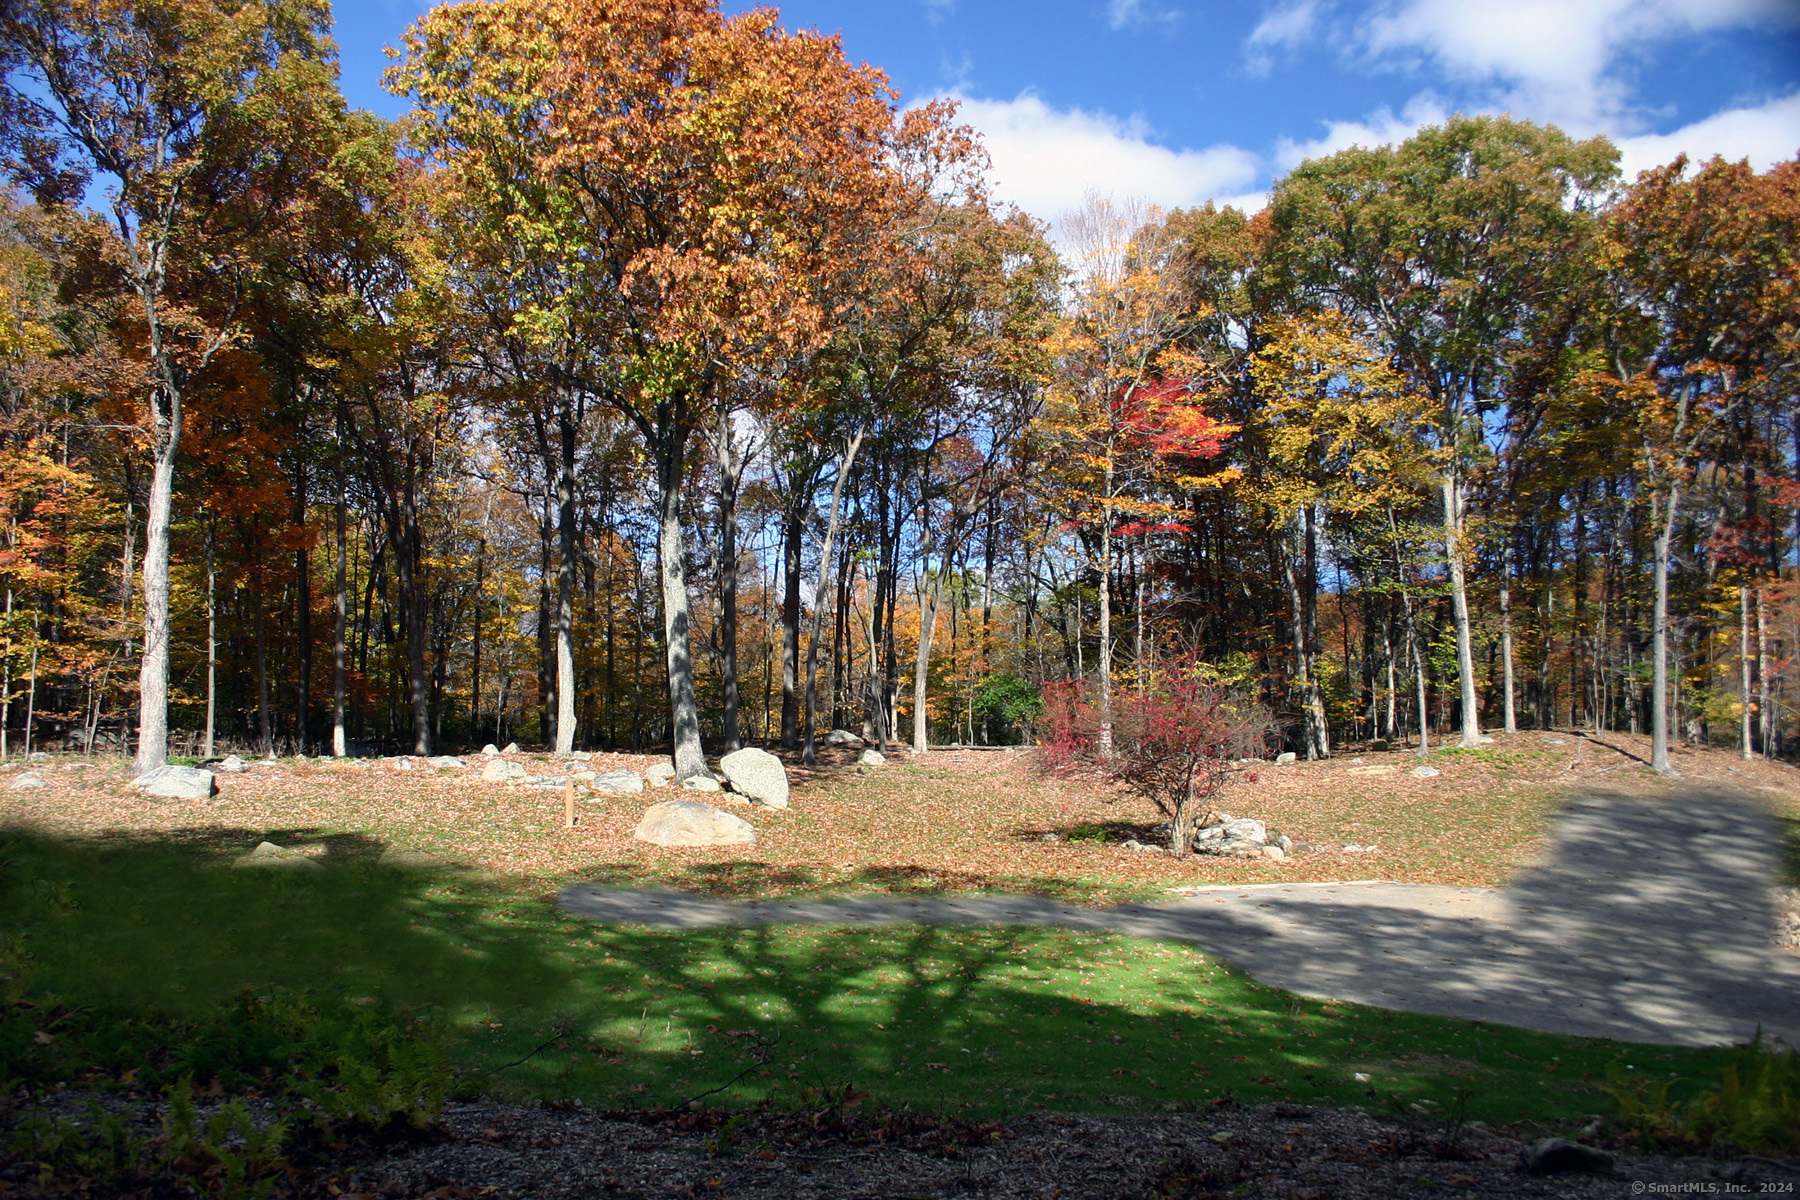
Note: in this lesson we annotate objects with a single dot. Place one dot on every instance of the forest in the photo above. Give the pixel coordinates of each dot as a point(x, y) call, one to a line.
point(664, 381)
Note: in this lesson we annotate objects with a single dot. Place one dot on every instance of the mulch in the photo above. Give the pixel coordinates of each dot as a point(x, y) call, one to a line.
point(1276, 1150)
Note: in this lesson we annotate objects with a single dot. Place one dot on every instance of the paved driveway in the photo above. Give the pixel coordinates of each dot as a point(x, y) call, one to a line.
point(1650, 921)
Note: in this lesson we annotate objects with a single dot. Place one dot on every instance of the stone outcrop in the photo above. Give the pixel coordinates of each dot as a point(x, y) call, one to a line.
point(175, 783)
point(757, 775)
point(693, 823)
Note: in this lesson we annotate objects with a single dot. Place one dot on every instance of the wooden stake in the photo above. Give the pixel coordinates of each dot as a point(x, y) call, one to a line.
point(568, 804)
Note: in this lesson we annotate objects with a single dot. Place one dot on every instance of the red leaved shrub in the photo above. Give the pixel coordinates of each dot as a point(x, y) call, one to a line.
point(1175, 745)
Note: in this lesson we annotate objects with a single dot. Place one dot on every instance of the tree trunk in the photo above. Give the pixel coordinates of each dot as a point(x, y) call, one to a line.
point(418, 683)
point(212, 642)
point(1459, 608)
point(565, 586)
point(1104, 666)
point(1748, 750)
point(340, 746)
point(303, 616)
point(265, 731)
point(1659, 638)
point(730, 468)
point(1181, 831)
point(846, 460)
point(928, 611)
point(684, 713)
point(1765, 713)
point(793, 530)
point(1506, 638)
point(153, 671)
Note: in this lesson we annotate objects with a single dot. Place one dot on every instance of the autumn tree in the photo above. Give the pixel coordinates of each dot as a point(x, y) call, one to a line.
point(705, 169)
point(1175, 744)
point(1122, 399)
point(1340, 431)
point(1704, 272)
point(186, 113)
point(1442, 248)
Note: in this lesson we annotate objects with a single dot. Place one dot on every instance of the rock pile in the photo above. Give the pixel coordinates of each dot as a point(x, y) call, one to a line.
point(1238, 837)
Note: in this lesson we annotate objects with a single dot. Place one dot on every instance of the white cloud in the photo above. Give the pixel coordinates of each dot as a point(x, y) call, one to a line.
point(1765, 134)
point(937, 10)
point(1122, 14)
point(1381, 128)
point(1283, 28)
point(1552, 59)
point(1047, 159)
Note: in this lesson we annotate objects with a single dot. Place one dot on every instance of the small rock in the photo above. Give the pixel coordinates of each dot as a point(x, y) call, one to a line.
point(701, 783)
point(1284, 758)
point(618, 781)
point(580, 755)
point(1301, 848)
point(1379, 744)
point(268, 854)
point(1134, 844)
point(1273, 853)
point(693, 823)
point(758, 775)
point(1049, 837)
point(512, 747)
point(498, 770)
point(29, 779)
point(659, 774)
point(842, 737)
point(444, 762)
point(402, 763)
point(1232, 837)
point(872, 758)
point(1426, 772)
point(39, 757)
point(175, 783)
point(491, 750)
point(1558, 1156)
point(559, 782)
point(232, 764)
point(1286, 843)
point(1555, 741)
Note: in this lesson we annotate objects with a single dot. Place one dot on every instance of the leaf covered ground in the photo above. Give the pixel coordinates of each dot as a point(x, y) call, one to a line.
point(950, 821)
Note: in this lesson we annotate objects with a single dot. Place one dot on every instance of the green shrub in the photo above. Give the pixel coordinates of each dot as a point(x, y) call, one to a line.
point(1754, 1106)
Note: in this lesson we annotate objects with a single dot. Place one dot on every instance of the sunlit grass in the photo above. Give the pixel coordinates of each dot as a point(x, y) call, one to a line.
point(975, 1021)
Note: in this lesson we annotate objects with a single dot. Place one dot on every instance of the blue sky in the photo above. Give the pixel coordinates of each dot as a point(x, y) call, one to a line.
point(1177, 103)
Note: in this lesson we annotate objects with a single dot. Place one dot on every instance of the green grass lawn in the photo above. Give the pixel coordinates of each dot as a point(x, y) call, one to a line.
point(151, 959)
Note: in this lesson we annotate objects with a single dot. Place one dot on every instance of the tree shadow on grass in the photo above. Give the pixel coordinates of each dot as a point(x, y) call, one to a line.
point(165, 923)
point(159, 934)
point(744, 880)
